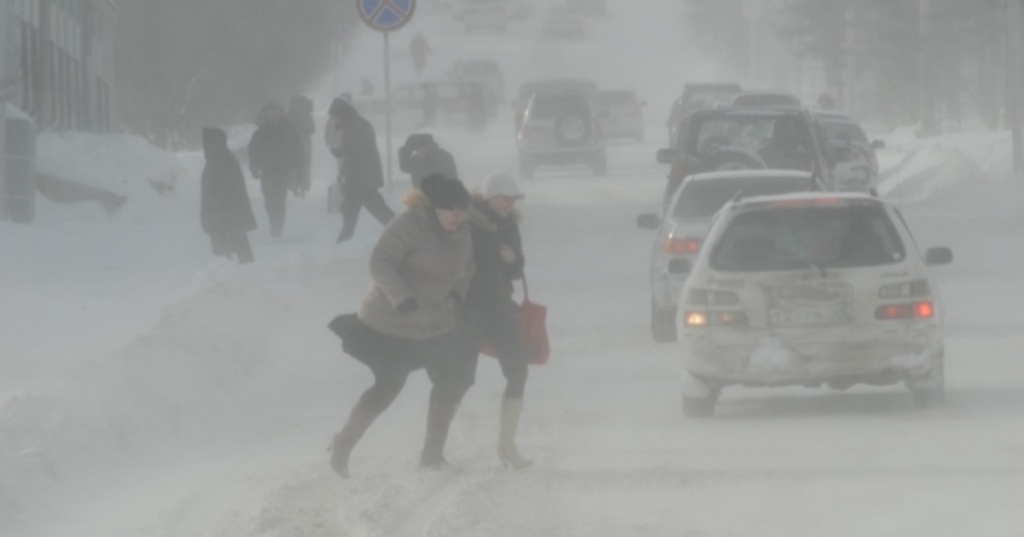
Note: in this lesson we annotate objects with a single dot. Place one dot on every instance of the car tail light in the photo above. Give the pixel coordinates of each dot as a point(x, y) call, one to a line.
point(916, 310)
point(696, 319)
point(676, 246)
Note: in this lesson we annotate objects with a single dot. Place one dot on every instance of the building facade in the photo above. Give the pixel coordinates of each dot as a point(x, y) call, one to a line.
point(57, 62)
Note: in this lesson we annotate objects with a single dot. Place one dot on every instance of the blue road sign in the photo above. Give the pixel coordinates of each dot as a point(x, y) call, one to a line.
point(386, 15)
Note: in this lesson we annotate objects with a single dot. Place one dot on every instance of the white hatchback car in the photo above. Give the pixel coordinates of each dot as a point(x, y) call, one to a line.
point(810, 289)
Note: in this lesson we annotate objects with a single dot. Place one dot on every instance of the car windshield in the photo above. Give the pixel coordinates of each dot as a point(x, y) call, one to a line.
point(556, 106)
point(801, 237)
point(844, 131)
point(781, 142)
point(702, 199)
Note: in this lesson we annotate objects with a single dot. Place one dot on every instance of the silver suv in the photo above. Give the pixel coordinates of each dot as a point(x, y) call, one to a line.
point(561, 129)
point(811, 289)
point(680, 234)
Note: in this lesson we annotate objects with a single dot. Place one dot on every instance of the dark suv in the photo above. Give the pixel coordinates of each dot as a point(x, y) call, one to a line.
point(561, 129)
point(723, 139)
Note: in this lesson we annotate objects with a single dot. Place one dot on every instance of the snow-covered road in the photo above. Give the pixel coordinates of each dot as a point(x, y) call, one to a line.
point(196, 397)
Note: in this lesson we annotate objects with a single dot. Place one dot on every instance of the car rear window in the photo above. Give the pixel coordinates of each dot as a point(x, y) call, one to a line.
point(802, 237)
point(556, 106)
point(702, 199)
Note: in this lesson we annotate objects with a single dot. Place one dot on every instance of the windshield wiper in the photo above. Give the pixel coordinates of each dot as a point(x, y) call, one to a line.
point(803, 259)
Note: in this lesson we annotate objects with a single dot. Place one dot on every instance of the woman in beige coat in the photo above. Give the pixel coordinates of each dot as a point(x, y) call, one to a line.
point(421, 268)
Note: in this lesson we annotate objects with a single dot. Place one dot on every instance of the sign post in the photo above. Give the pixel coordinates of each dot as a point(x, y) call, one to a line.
point(386, 16)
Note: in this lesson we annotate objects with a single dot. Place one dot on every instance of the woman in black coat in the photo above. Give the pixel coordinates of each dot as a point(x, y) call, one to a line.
point(490, 311)
point(225, 211)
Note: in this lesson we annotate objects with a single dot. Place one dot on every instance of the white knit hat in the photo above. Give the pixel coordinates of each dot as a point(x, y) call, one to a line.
point(500, 184)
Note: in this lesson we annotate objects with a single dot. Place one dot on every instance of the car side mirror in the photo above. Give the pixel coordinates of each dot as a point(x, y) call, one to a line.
point(877, 144)
point(680, 265)
point(666, 156)
point(938, 256)
point(648, 221)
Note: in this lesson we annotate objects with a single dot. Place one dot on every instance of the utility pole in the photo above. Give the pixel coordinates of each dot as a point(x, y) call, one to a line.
point(926, 102)
point(1013, 76)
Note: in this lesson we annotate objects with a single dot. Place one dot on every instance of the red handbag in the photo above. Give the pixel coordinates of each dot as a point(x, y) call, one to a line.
point(532, 329)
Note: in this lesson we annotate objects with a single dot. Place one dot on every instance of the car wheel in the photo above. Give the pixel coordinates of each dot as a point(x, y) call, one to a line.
point(933, 393)
point(699, 407)
point(663, 324)
point(572, 130)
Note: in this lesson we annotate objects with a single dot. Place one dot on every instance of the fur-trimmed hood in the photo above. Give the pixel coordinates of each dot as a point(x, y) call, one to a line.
point(481, 214)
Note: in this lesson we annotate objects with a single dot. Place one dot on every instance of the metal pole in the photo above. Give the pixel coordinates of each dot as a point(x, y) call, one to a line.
point(387, 97)
point(1013, 75)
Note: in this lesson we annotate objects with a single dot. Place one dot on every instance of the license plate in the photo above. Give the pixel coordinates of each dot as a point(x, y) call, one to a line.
point(808, 315)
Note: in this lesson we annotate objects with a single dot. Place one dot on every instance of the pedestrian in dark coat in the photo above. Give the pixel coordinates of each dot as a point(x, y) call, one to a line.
point(275, 158)
point(421, 268)
point(360, 167)
point(225, 211)
point(421, 157)
point(300, 114)
point(490, 311)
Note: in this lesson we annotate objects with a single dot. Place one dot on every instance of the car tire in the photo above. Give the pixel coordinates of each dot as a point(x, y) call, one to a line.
point(699, 407)
point(663, 324)
point(725, 160)
point(573, 130)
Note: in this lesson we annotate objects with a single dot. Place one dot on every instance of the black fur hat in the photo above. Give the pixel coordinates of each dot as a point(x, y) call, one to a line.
point(445, 193)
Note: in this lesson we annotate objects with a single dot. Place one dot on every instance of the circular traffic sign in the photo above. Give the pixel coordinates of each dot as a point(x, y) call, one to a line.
point(386, 15)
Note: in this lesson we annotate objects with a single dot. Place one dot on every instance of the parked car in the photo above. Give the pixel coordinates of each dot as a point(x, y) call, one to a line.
point(764, 98)
point(407, 102)
point(856, 161)
point(564, 26)
point(748, 138)
point(561, 129)
point(552, 85)
point(698, 97)
point(811, 289)
point(681, 231)
point(625, 114)
point(483, 70)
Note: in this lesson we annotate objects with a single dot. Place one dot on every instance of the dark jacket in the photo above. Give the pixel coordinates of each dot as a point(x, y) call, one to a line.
point(224, 204)
point(276, 150)
point(360, 159)
point(421, 157)
point(493, 281)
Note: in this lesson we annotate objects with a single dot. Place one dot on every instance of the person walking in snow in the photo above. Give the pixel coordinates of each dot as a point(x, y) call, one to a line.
point(225, 212)
point(353, 142)
point(490, 311)
point(419, 49)
point(275, 157)
point(421, 268)
point(300, 114)
point(421, 156)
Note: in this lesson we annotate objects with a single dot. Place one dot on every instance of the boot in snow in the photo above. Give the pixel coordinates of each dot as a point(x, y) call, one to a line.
point(439, 420)
point(511, 409)
point(358, 422)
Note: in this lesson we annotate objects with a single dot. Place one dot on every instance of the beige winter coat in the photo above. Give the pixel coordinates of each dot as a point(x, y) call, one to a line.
point(414, 257)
